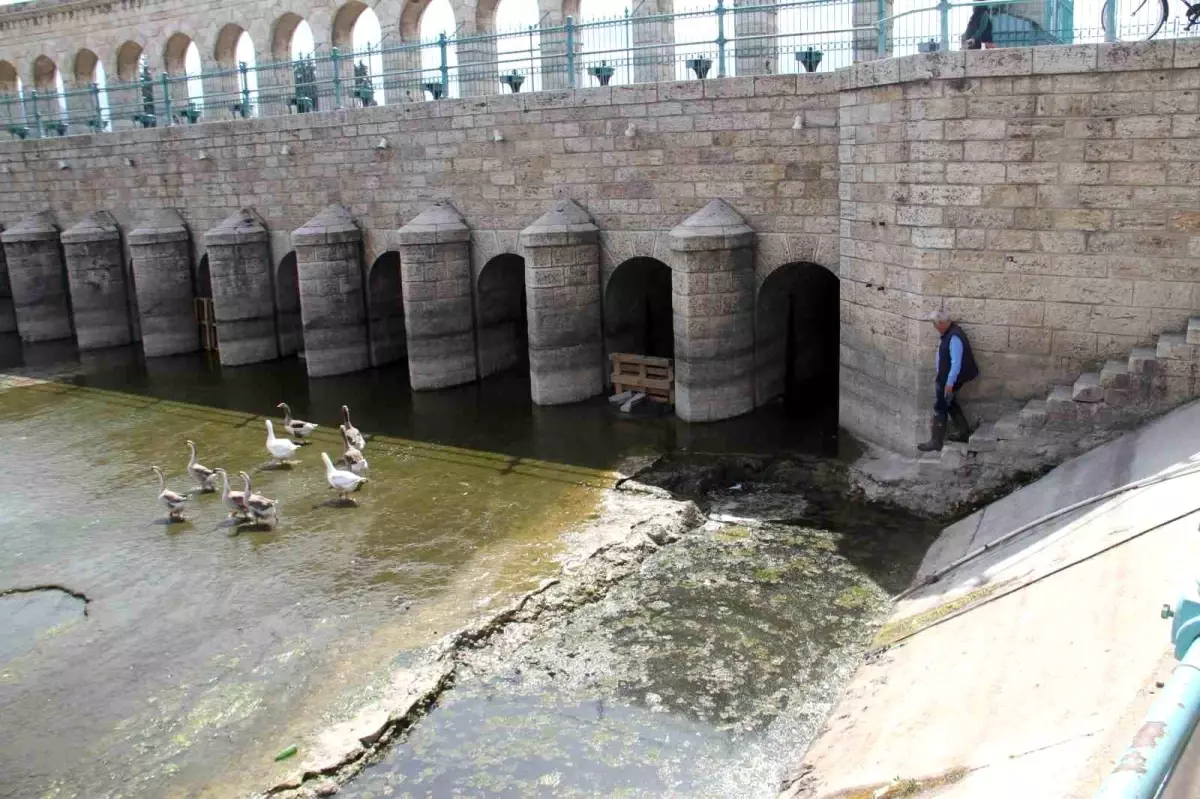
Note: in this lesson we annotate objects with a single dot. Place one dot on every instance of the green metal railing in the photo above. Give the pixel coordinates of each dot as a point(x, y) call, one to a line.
point(717, 41)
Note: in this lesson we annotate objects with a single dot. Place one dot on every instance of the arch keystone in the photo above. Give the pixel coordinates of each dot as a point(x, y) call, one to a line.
point(239, 266)
point(96, 279)
point(435, 276)
point(35, 274)
point(713, 298)
point(162, 282)
point(562, 289)
point(332, 310)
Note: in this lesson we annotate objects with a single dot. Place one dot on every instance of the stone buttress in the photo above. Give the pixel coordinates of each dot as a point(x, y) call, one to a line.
point(239, 265)
point(332, 294)
point(96, 277)
point(37, 279)
point(162, 280)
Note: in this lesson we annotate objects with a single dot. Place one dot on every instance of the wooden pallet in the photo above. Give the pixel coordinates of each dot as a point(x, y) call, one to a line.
point(208, 323)
point(653, 376)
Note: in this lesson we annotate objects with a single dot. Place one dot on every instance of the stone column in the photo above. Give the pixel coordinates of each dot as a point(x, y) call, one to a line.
point(37, 279)
point(96, 276)
point(332, 296)
point(757, 56)
point(866, 35)
point(239, 265)
point(435, 268)
point(162, 282)
point(713, 295)
point(562, 290)
point(8, 316)
point(655, 64)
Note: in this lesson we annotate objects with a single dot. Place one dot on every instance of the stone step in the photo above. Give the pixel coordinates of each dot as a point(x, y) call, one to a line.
point(1174, 346)
point(1143, 361)
point(1193, 331)
point(1087, 388)
point(983, 439)
point(1008, 428)
point(1034, 413)
point(954, 455)
point(1115, 374)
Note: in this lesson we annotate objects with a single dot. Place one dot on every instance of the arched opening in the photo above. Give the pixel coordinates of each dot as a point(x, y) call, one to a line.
point(183, 65)
point(239, 90)
point(435, 20)
point(637, 309)
point(356, 29)
point(287, 306)
point(130, 62)
point(500, 312)
point(52, 101)
point(696, 38)
point(205, 317)
point(608, 47)
point(89, 69)
point(797, 339)
point(292, 50)
point(518, 41)
point(385, 303)
point(12, 111)
point(291, 38)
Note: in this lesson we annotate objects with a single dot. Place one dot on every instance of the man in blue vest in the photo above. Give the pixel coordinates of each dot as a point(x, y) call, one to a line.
point(955, 368)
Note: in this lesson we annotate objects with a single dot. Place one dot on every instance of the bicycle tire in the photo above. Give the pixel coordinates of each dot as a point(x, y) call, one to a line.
point(1164, 11)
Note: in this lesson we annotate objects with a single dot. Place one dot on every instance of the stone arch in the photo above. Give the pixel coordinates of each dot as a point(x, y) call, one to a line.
point(412, 14)
point(174, 53)
point(500, 313)
point(48, 83)
point(85, 67)
point(129, 62)
point(342, 28)
point(797, 338)
point(287, 305)
point(385, 305)
point(281, 36)
point(10, 79)
point(637, 309)
point(225, 51)
point(45, 74)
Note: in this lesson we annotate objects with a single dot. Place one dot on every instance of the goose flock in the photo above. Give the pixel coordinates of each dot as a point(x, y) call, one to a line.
point(249, 507)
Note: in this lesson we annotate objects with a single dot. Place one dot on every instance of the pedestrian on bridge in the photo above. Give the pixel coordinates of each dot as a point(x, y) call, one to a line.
point(955, 368)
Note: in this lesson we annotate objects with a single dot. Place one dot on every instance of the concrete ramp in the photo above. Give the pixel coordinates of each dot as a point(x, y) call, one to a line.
point(1026, 671)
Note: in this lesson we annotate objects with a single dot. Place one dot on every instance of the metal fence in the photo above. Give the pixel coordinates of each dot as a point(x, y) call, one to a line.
point(715, 41)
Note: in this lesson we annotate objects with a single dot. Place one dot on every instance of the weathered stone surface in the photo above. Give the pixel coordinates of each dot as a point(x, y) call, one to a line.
point(1034, 413)
point(1087, 388)
point(8, 315)
point(239, 264)
point(37, 279)
point(96, 277)
point(162, 279)
point(332, 302)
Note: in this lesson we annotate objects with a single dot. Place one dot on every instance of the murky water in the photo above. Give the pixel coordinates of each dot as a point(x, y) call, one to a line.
point(207, 649)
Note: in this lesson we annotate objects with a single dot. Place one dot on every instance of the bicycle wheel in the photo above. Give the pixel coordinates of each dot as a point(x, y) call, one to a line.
point(1136, 30)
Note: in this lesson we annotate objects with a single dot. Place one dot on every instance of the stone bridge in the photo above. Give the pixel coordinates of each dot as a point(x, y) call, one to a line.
point(1048, 197)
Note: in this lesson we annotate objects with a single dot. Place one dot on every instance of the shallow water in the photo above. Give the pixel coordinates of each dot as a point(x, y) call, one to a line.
point(208, 648)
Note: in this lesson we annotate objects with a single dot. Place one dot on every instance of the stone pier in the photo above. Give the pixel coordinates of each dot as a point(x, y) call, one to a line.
point(436, 275)
point(37, 279)
point(96, 277)
point(8, 316)
point(162, 279)
point(239, 265)
point(332, 297)
point(713, 286)
point(562, 288)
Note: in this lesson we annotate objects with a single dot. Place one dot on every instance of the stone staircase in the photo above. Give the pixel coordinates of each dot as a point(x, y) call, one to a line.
point(1075, 418)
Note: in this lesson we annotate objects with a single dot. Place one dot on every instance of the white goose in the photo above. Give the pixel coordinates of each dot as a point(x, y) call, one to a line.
point(205, 477)
point(280, 448)
point(295, 427)
point(170, 499)
point(341, 480)
point(234, 500)
point(352, 457)
point(262, 509)
point(351, 432)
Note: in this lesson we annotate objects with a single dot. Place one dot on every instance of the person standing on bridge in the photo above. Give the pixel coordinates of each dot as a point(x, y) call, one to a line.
point(955, 368)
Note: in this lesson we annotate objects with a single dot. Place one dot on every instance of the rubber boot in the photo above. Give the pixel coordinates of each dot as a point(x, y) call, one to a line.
point(960, 428)
point(937, 434)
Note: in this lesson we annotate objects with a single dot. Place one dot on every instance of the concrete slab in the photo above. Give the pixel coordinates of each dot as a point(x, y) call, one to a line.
point(1037, 689)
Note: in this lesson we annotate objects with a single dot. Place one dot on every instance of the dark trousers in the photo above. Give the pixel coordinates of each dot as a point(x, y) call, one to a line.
point(941, 405)
point(948, 407)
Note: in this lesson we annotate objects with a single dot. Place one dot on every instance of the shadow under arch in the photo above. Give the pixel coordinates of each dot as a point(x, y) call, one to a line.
point(637, 309)
point(501, 319)
point(287, 306)
point(798, 338)
point(385, 307)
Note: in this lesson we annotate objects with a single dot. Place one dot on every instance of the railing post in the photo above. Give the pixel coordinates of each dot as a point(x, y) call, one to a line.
point(880, 21)
point(37, 114)
point(943, 8)
point(721, 38)
point(445, 64)
point(96, 107)
point(337, 77)
point(1110, 21)
point(570, 51)
point(166, 87)
point(245, 75)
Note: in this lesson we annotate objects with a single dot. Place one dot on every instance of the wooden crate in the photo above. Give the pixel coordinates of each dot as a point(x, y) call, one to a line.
point(208, 323)
point(653, 376)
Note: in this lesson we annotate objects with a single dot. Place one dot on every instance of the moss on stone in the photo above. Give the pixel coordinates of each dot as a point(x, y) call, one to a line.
point(895, 630)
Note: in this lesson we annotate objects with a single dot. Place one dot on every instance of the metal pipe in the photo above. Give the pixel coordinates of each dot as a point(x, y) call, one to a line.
point(1151, 757)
